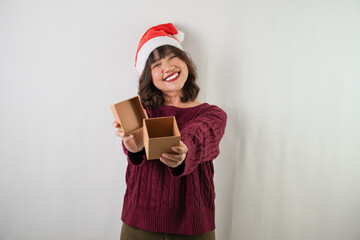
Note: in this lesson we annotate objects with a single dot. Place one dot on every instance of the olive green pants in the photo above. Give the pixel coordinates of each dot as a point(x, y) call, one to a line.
point(131, 233)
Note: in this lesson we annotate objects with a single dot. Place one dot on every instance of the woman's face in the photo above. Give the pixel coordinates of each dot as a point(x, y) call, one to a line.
point(169, 74)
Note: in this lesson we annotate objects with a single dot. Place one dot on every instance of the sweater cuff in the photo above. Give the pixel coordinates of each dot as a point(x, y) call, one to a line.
point(179, 170)
point(136, 158)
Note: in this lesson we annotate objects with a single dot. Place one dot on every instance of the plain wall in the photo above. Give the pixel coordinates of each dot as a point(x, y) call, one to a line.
point(286, 72)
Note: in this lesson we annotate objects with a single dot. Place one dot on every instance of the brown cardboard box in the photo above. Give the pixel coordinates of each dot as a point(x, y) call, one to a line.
point(129, 114)
point(160, 134)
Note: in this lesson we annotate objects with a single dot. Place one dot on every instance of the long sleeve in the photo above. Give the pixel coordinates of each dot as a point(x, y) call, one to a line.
point(135, 158)
point(202, 137)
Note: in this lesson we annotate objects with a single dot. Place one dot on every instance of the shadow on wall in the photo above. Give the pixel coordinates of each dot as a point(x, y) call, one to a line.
point(224, 90)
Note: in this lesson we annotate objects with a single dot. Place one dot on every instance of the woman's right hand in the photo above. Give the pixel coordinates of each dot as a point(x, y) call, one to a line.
point(133, 142)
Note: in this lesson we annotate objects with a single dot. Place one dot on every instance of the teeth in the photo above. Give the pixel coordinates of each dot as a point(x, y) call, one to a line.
point(172, 77)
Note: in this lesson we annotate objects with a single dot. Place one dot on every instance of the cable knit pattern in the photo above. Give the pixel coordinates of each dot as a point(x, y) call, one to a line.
point(177, 200)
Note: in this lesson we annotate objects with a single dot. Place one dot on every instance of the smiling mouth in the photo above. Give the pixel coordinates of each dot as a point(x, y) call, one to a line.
point(172, 77)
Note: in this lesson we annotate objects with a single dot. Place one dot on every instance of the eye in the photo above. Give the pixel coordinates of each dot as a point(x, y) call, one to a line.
point(172, 57)
point(155, 65)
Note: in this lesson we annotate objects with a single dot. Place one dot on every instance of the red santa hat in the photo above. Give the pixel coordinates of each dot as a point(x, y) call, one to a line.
point(160, 35)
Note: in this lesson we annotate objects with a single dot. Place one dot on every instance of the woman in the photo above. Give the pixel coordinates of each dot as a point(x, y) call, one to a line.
point(173, 196)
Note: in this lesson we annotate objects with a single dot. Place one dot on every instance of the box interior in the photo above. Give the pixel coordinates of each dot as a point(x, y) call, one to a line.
point(131, 114)
point(161, 127)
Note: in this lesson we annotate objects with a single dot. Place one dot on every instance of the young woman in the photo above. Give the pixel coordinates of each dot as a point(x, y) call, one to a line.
point(173, 197)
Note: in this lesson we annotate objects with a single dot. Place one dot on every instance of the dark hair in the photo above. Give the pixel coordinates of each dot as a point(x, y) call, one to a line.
point(151, 96)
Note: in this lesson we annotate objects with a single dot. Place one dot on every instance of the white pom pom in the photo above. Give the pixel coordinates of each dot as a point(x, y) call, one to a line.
point(180, 36)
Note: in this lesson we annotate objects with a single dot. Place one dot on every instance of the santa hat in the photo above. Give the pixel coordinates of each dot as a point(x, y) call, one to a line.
point(160, 35)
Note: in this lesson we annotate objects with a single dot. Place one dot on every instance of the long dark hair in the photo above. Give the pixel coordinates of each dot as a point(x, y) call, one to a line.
point(151, 96)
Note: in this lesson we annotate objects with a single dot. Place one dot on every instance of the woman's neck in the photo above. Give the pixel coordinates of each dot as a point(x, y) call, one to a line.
point(173, 100)
point(176, 102)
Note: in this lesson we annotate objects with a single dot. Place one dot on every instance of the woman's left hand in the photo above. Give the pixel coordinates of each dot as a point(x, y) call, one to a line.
point(174, 160)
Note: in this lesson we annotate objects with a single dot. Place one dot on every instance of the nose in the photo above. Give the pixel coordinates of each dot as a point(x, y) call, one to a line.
point(167, 66)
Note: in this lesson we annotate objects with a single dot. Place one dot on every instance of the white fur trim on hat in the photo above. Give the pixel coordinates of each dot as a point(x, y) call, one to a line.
point(180, 36)
point(154, 43)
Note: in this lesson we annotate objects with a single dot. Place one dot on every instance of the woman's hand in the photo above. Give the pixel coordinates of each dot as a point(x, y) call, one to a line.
point(133, 142)
point(174, 160)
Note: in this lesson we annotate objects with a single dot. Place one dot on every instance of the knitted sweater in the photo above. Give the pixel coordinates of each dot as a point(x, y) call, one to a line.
point(177, 200)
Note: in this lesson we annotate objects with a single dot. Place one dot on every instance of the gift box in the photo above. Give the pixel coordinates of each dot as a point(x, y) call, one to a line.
point(129, 114)
point(160, 134)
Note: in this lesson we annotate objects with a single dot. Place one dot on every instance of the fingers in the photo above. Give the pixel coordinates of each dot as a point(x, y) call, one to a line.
point(173, 157)
point(127, 137)
point(121, 134)
point(174, 160)
point(170, 163)
point(116, 124)
point(179, 149)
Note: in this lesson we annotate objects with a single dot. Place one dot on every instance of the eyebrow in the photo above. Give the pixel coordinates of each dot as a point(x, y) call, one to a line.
point(154, 63)
point(167, 55)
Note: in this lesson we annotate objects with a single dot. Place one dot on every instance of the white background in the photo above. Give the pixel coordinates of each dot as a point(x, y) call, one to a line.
point(286, 72)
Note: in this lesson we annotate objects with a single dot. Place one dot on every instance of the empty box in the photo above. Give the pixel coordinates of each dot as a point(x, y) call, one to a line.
point(160, 134)
point(129, 114)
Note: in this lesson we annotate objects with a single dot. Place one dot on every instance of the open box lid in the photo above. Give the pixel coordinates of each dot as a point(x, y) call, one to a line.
point(129, 114)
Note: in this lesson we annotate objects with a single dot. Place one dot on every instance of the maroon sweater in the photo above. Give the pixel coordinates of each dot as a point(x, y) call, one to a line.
point(178, 200)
